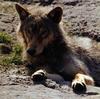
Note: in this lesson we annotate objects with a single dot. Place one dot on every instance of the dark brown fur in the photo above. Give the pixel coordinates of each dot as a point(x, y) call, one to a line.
point(44, 47)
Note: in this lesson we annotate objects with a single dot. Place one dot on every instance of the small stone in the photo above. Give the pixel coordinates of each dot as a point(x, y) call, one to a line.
point(5, 49)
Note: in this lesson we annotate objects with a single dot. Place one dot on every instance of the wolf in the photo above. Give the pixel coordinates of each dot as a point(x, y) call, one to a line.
point(46, 50)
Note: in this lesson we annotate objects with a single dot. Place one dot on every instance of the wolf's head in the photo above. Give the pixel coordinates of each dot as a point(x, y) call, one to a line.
point(39, 30)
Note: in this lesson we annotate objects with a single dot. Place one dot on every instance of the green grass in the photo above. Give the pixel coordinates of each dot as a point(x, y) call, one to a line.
point(15, 56)
point(5, 38)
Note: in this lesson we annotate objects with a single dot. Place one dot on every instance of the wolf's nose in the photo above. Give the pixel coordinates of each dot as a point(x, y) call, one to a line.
point(31, 51)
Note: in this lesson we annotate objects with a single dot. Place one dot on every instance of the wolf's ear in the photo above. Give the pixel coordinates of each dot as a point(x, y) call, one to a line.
point(56, 14)
point(21, 11)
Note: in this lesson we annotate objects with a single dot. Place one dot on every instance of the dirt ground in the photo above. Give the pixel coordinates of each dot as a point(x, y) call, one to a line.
point(81, 21)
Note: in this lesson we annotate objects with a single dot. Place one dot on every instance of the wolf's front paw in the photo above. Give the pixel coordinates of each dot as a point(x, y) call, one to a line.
point(79, 87)
point(39, 76)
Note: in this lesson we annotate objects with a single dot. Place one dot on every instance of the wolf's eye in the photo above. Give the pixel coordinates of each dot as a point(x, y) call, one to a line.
point(43, 34)
point(33, 27)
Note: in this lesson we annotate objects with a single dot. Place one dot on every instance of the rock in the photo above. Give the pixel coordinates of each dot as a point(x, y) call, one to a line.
point(84, 19)
point(21, 87)
point(46, 2)
point(6, 21)
point(25, 1)
point(71, 2)
point(41, 92)
point(5, 49)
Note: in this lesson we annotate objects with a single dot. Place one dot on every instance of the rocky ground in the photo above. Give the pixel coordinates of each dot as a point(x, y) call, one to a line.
point(82, 22)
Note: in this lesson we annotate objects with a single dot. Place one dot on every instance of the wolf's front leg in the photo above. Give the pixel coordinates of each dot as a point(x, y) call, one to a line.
point(42, 75)
point(80, 81)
